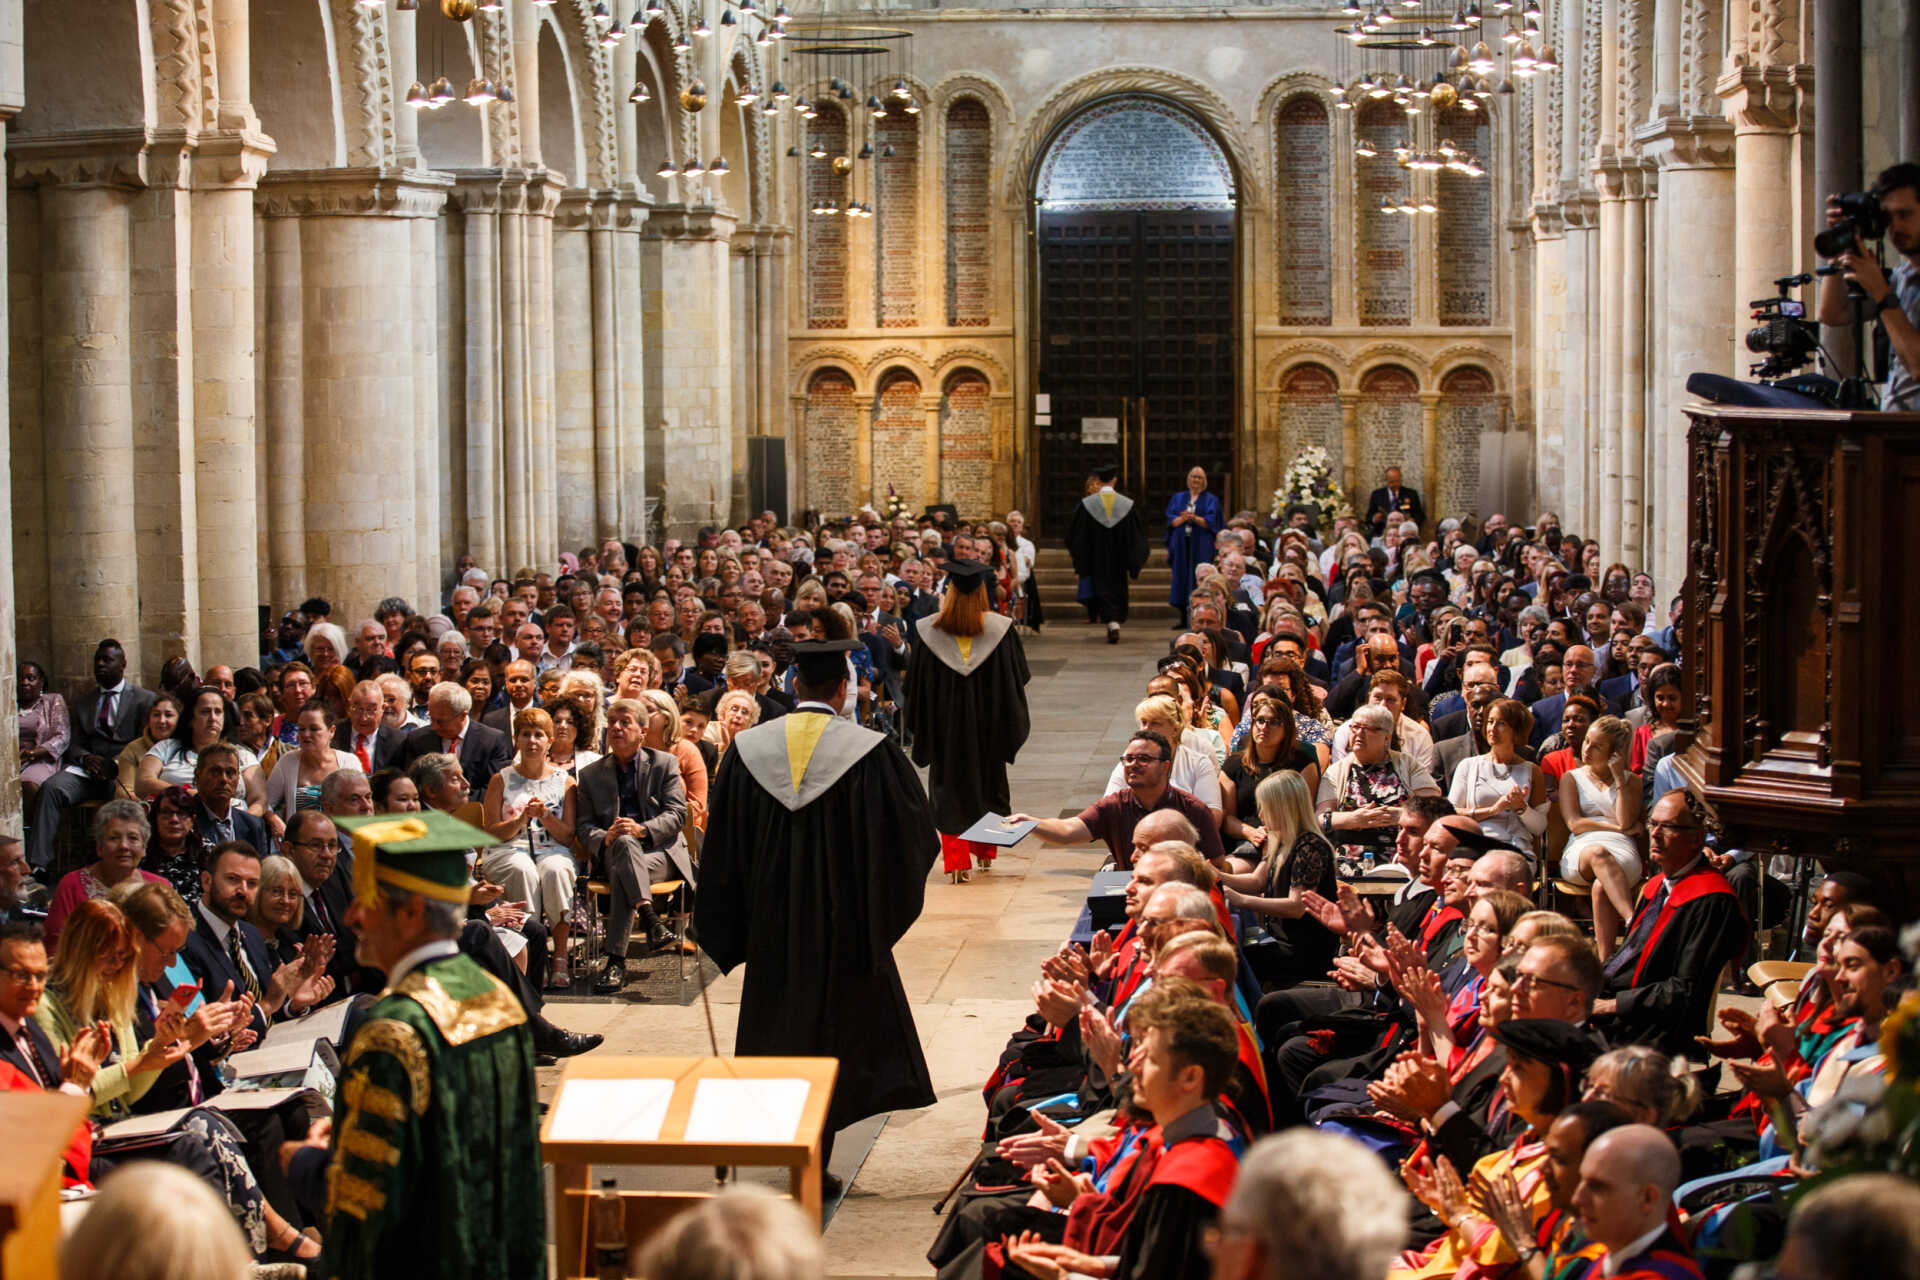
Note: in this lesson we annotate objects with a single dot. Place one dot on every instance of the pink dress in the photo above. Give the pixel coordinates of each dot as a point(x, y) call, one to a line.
point(44, 725)
point(75, 888)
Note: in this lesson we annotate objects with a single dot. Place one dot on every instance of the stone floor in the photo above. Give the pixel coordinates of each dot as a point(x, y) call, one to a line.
point(967, 964)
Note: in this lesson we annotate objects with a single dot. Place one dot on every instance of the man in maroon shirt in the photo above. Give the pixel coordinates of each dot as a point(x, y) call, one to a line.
point(1146, 766)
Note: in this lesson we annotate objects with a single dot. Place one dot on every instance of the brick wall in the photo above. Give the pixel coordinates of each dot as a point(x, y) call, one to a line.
point(969, 244)
point(832, 424)
point(896, 276)
point(1305, 267)
point(966, 444)
point(899, 442)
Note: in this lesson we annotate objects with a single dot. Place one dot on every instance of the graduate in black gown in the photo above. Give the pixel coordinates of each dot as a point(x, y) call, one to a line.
point(1109, 546)
point(814, 866)
point(966, 711)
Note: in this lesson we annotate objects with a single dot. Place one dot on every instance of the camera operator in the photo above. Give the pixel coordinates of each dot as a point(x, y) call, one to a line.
point(1895, 301)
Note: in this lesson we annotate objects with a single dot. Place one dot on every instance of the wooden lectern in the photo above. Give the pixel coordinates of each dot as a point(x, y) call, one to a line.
point(631, 1097)
point(38, 1127)
point(1801, 632)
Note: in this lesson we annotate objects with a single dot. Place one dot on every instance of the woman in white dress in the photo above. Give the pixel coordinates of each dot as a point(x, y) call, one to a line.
point(529, 809)
point(1506, 795)
point(1193, 769)
point(170, 762)
point(1602, 809)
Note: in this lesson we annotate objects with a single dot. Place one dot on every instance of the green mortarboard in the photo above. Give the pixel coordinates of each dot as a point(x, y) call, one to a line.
point(423, 853)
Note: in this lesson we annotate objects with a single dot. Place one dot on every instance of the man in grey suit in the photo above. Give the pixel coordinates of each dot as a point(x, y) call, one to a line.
point(105, 720)
point(632, 808)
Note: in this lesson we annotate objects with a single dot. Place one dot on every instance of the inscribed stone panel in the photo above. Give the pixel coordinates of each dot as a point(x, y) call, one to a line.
point(896, 276)
point(966, 444)
point(1135, 153)
point(1463, 238)
point(1389, 413)
point(1310, 415)
point(832, 423)
point(826, 275)
point(1468, 407)
point(1305, 146)
point(1385, 277)
point(899, 442)
point(969, 245)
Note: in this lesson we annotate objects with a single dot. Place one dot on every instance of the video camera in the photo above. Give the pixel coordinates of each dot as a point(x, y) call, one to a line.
point(1784, 334)
point(1861, 215)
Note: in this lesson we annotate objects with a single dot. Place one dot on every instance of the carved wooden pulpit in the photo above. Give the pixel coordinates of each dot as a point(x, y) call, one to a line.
point(1802, 634)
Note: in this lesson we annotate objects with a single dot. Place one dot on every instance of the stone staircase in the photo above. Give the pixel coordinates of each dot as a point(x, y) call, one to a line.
point(1053, 572)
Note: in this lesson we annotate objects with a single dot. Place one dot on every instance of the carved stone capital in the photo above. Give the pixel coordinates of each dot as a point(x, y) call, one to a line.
point(700, 222)
point(1687, 142)
point(1549, 222)
point(597, 209)
point(1580, 210)
point(1763, 99)
point(353, 193)
point(97, 158)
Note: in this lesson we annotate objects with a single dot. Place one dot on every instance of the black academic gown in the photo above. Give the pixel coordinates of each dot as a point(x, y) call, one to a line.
point(1109, 549)
point(810, 888)
point(967, 719)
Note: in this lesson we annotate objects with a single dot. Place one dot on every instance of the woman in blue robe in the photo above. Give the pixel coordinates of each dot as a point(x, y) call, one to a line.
point(1193, 517)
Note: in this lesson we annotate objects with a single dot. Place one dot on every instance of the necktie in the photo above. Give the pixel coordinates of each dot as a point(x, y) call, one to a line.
point(1629, 953)
point(320, 911)
point(106, 711)
point(25, 1042)
point(360, 750)
point(240, 962)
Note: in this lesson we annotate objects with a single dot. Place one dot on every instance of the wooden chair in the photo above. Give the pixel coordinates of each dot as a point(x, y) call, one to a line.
point(677, 890)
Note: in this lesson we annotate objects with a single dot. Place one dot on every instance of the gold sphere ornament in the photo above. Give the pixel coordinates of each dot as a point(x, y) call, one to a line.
point(694, 96)
point(1444, 96)
point(458, 10)
point(841, 164)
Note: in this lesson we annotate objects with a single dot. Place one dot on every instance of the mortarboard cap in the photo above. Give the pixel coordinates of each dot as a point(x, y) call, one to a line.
point(823, 662)
point(969, 575)
point(1108, 472)
point(423, 853)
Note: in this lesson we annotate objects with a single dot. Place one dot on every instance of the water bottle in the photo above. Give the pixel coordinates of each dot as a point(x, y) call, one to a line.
point(609, 1234)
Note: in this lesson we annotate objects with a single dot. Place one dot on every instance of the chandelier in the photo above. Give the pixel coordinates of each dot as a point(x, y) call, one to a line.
point(772, 28)
point(850, 59)
point(1436, 56)
point(482, 89)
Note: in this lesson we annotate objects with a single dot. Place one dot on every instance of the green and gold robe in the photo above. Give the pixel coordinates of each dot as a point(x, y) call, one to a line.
point(435, 1168)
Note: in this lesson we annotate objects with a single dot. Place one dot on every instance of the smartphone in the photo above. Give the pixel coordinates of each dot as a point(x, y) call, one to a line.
point(183, 994)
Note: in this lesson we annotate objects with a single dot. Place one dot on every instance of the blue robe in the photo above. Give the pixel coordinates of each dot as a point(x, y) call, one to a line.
point(1190, 545)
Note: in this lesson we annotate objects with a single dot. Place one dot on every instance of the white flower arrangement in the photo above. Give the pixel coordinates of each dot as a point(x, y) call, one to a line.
point(1308, 480)
point(896, 506)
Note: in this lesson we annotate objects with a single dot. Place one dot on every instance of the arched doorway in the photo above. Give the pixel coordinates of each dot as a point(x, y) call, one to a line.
point(1135, 226)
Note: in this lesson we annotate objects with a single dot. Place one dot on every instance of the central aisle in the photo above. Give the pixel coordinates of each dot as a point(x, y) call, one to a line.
point(967, 964)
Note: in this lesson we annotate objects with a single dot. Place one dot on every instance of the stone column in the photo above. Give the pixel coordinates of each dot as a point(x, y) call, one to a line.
point(1430, 443)
point(1628, 542)
point(543, 196)
point(1602, 520)
point(1695, 155)
point(86, 378)
point(477, 195)
point(9, 657)
point(1580, 376)
point(283, 413)
point(632, 360)
point(694, 411)
point(578, 302)
point(1762, 102)
point(226, 170)
point(516, 448)
point(1837, 132)
point(1350, 439)
point(357, 270)
point(930, 406)
point(1550, 338)
point(428, 422)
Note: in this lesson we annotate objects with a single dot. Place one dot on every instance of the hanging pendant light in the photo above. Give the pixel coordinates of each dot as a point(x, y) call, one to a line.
point(1365, 149)
point(770, 108)
point(1481, 62)
point(1545, 59)
point(727, 19)
point(653, 8)
point(818, 150)
point(900, 89)
point(491, 6)
point(718, 165)
point(406, 6)
point(764, 39)
point(640, 94)
point(780, 14)
point(601, 14)
point(692, 169)
point(681, 44)
point(913, 106)
point(746, 95)
point(417, 95)
point(614, 34)
point(793, 153)
point(479, 92)
point(440, 92)
point(866, 151)
point(780, 93)
point(667, 170)
point(877, 107)
point(1524, 60)
point(700, 27)
point(504, 93)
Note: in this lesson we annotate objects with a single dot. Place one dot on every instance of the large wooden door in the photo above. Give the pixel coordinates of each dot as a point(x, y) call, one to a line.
point(1136, 324)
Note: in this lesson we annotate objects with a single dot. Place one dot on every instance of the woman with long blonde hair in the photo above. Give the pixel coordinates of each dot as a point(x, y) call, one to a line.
point(1292, 946)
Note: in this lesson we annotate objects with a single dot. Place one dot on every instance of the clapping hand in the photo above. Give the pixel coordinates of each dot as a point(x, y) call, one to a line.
point(1507, 1209)
point(1068, 964)
point(1102, 1040)
point(1415, 1087)
point(1351, 974)
point(1052, 1261)
point(1742, 1040)
point(485, 892)
point(1436, 1184)
point(81, 1058)
point(1057, 1002)
point(1059, 1184)
point(1030, 1149)
point(507, 915)
point(1101, 955)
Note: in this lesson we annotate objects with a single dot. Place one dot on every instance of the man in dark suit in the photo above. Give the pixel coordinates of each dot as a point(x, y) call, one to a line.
point(1394, 498)
point(1580, 671)
point(631, 810)
point(223, 948)
point(105, 719)
point(364, 732)
point(521, 691)
point(312, 843)
point(23, 1045)
point(482, 752)
point(216, 820)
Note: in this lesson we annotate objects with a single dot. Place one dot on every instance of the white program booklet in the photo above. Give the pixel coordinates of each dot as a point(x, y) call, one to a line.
point(610, 1111)
point(746, 1110)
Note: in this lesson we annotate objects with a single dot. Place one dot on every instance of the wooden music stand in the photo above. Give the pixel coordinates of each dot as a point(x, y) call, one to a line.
point(647, 1211)
point(38, 1127)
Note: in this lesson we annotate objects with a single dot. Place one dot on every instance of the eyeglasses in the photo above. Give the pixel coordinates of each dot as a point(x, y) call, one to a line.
point(1267, 722)
point(1482, 930)
point(1533, 980)
point(1671, 826)
point(27, 977)
point(1143, 759)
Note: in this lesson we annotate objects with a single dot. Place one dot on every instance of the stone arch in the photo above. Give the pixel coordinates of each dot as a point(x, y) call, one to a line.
point(456, 136)
point(1309, 411)
point(1183, 91)
point(1389, 423)
point(745, 70)
point(811, 360)
point(966, 439)
point(877, 364)
point(304, 115)
point(1298, 353)
point(830, 439)
point(982, 361)
point(974, 84)
point(590, 75)
point(1390, 353)
point(562, 142)
point(1304, 203)
point(112, 79)
point(1470, 408)
point(657, 133)
point(899, 449)
point(966, 131)
point(1448, 359)
point(736, 184)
